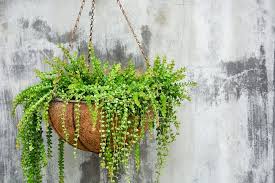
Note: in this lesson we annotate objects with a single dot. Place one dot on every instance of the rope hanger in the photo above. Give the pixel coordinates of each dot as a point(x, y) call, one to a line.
point(92, 15)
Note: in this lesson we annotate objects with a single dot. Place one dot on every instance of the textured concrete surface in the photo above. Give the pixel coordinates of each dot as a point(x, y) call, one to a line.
point(227, 133)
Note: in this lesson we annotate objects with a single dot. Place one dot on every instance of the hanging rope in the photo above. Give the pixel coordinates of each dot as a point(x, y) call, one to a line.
point(92, 14)
point(133, 32)
point(73, 32)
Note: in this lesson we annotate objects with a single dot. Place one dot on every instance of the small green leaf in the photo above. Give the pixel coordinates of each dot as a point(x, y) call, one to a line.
point(136, 99)
point(163, 104)
point(30, 148)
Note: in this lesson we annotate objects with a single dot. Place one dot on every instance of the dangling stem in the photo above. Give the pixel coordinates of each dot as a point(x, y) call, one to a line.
point(61, 160)
point(77, 125)
point(63, 121)
point(49, 141)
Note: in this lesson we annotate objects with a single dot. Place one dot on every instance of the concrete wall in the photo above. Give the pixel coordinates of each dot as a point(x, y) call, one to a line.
point(228, 45)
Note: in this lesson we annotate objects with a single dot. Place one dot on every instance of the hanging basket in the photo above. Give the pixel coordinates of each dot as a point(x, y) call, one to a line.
point(89, 138)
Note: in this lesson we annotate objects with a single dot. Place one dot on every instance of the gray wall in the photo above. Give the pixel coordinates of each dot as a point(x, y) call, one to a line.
point(228, 45)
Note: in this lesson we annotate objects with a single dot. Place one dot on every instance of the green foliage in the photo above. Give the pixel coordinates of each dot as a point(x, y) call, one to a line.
point(49, 141)
point(126, 102)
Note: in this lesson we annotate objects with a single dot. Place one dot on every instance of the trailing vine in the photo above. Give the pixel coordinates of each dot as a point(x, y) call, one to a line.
point(77, 125)
point(49, 141)
point(61, 160)
point(63, 123)
point(124, 102)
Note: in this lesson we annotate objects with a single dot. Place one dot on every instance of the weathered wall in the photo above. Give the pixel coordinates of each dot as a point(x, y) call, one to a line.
point(227, 131)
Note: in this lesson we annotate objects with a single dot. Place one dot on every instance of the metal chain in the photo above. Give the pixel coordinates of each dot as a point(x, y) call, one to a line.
point(76, 24)
point(134, 34)
point(92, 15)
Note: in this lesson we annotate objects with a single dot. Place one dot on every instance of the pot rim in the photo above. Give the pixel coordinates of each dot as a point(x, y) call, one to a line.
point(70, 101)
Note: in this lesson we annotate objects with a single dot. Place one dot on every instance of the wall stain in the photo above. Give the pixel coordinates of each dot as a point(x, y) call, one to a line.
point(246, 75)
point(210, 90)
point(3, 21)
point(147, 166)
point(119, 54)
point(249, 178)
point(3, 6)
point(259, 2)
point(251, 76)
point(9, 157)
point(146, 38)
point(273, 122)
point(245, 78)
point(161, 17)
point(25, 23)
point(2, 171)
point(5, 96)
point(45, 31)
point(41, 26)
point(90, 170)
point(24, 61)
point(4, 26)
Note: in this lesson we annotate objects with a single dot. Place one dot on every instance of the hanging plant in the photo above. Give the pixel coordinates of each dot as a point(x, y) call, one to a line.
point(102, 108)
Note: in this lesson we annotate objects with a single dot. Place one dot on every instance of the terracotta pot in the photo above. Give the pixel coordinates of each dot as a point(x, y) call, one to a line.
point(89, 139)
